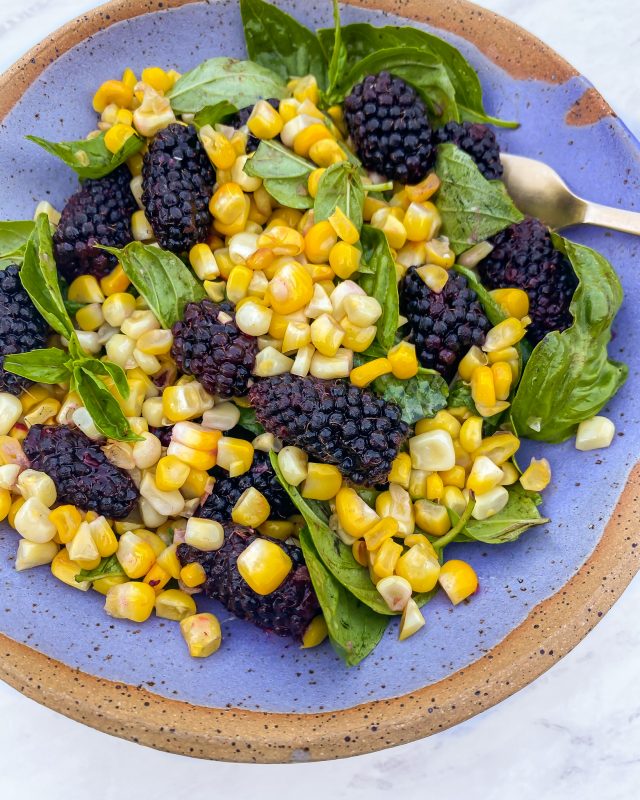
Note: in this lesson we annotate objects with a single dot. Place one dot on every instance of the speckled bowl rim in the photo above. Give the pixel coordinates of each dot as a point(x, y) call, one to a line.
point(551, 629)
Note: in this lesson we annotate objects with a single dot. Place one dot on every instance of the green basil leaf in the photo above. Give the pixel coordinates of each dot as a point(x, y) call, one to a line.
point(240, 82)
point(520, 514)
point(419, 68)
point(354, 629)
point(284, 174)
point(108, 368)
point(339, 54)
point(569, 376)
point(249, 421)
point(105, 412)
point(39, 278)
point(49, 365)
point(419, 397)
point(107, 568)
point(340, 187)
point(211, 115)
point(336, 556)
point(289, 192)
point(161, 278)
point(13, 241)
point(280, 43)
point(494, 311)
point(382, 284)
point(90, 158)
point(472, 208)
point(360, 39)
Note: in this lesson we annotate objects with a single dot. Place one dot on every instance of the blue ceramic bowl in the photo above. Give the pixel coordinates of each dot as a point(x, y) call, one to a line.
point(260, 697)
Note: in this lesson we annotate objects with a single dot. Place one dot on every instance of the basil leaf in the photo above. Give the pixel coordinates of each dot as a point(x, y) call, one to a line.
point(49, 365)
point(39, 278)
point(419, 68)
point(382, 284)
point(161, 278)
point(249, 421)
point(13, 241)
point(472, 208)
point(107, 568)
point(360, 39)
point(419, 397)
point(111, 370)
point(354, 629)
point(240, 82)
point(494, 311)
point(284, 174)
point(569, 376)
point(90, 158)
point(104, 409)
point(211, 115)
point(279, 42)
point(340, 186)
point(520, 514)
point(336, 556)
point(339, 54)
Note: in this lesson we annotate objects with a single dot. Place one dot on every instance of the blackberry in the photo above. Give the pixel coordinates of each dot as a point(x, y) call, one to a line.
point(98, 213)
point(389, 127)
point(226, 491)
point(443, 326)
point(476, 140)
point(240, 119)
point(208, 344)
point(334, 421)
point(286, 612)
point(523, 257)
point(82, 473)
point(21, 327)
point(177, 184)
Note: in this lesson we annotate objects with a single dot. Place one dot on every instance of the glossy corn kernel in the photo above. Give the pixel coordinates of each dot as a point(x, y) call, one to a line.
point(10, 412)
point(171, 473)
point(421, 221)
point(439, 253)
point(483, 388)
point(234, 455)
point(484, 475)
point(419, 565)
point(595, 433)
point(328, 367)
point(326, 152)
point(396, 503)
point(504, 334)
point(432, 451)
point(264, 565)
point(315, 633)
point(85, 289)
point(470, 361)
point(264, 121)
point(354, 515)
point(282, 240)
point(490, 503)
point(344, 228)
point(499, 447)
point(32, 521)
point(443, 421)
point(393, 229)
point(204, 534)
point(502, 379)
point(82, 548)
point(411, 621)
point(103, 536)
point(313, 181)
point(117, 135)
point(510, 474)
point(403, 360)
point(196, 484)
point(174, 604)
point(116, 92)
point(42, 412)
point(401, 470)
point(66, 520)
point(117, 307)
point(181, 402)
point(536, 476)
point(318, 242)
point(90, 317)
point(16, 505)
point(434, 276)
point(356, 338)
point(157, 578)
point(33, 483)
point(141, 229)
point(471, 434)
point(169, 561)
point(198, 459)
point(458, 579)
point(270, 361)
point(147, 452)
point(65, 570)
point(138, 323)
point(136, 557)
point(193, 575)
point(204, 262)
point(167, 504)
point(102, 585)
point(431, 517)
point(319, 304)
point(202, 634)
point(395, 591)
point(326, 335)
point(196, 436)
point(155, 343)
point(419, 192)
point(306, 135)
point(5, 503)
point(514, 301)
point(133, 601)
point(385, 558)
point(426, 485)
point(362, 310)
point(344, 259)
point(253, 318)
point(294, 465)
point(296, 335)
point(290, 289)
point(228, 203)
point(238, 283)
point(322, 482)
point(221, 152)
point(379, 533)
point(252, 508)
point(30, 554)
point(366, 373)
point(456, 476)
point(114, 283)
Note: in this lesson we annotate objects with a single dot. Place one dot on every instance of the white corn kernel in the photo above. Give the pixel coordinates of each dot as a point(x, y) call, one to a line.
point(148, 363)
point(33, 483)
point(362, 311)
point(241, 246)
point(147, 453)
point(222, 417)
point(396, 592)
point(32, 554)
point(204, 534)
point(266, 442)
point(412, 620)
point(168, 504)
point(239, 176)
point(320, 302)
point(82, 548)
point(595, 433)
point(302, 361)
point(82, 419)
point(10, 412)
point(253, 318)
point(490, 503)
point(32, 521)
point(270, 362)
point(293, 463)
point(120, 350)
point(141, 229)
point(151, 519)
point(9, 476)
point(340, 294)
point(45, 207)
point(338, 366)
point(141, 321)
point(432, 451)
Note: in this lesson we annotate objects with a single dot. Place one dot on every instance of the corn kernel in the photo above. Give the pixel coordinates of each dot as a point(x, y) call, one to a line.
point(322, 482)
point(595, 433)
point(471, 434)
point(102, 585)
point(484, 475)
point(305, 138)
point(395, 591)
point(264, 121)
point(379, 533)
point(103, 537)
point(136, 557)
point(315, 633)
point(473, 359)
point(411, 621)
point(112, 91)
point(293, 463)
point(32, 522)
point(82, 548)
point(204, 534)
point(355, 337)
point(33, 483)
point(499, 447)
point(198, 459)
point(174, 604)
point(354, 515)
point(364, 374)
point(85, 289)
point(435, 277)
point(168, 560)
point(514, 301)
point(490, 503)
point(168, 504)
point(431, 517)
point(318, 242)
point(228, 203)
point(202, 634)
point(328, 367)
point(252, 508)
point(313, 181)
point(264, 565)
point(419, 192)
point(396, 503)
point(234, 455)
point(181, 402)
point(193, 575)
point(386, 558)
point(171, 473)
point(458, 579)
point(502, 378)
point(326, 152)
point(344, 259)
point(157, 578)
point(65, 570)
point(483, 388)
point(5, 503)
point(67, 520)
point(218, 148)
point(421, 221)
point(536, 476)
point(443, 421)
point(290, 289)
point(114, 283)
point(133, 601)
point(326, 335)
point(393, 229)
point(403, 360)
point(270, 361)
point(456, 476)
point(401, 470)
point(419, 565)
point(432, 451)
point(504, 334)
point(117, 135)
point(434, 488)
point(30, 554)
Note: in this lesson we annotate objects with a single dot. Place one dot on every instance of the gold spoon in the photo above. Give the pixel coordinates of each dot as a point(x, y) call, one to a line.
point(538, 190)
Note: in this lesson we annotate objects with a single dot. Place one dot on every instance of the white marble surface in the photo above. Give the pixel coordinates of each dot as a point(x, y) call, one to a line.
point(574, 733)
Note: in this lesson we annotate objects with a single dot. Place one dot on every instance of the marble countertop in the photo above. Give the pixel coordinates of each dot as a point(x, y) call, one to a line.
point(575, 732)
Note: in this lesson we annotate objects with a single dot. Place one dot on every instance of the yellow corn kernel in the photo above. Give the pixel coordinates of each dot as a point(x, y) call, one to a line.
point(360, 552)
point(393, 229)
point(227, 203)
point(196, 436)
point(364, 374)
point(204, 262)
point(499, 447)
point(355, 337)
point(326, 152)
point(354, 515)
point(117, 135)
point(439, 253)
point(118, 307)
point(157, 578)
point(420, 566)
point(318, 241)
point(112, 92)
point(326, 335)
point(202, 634)
point(287, 217)
point(411, 620)
point(383, 530)
point(155, 343)
point(474, 358)
point(135, 556)
point(431, 517)
point(296, 335)
point(483, 388)
point(471, 434)
point(102, 585)
point(42, 412)
point(32, 396)
point(434, 487)
point(171, 473)
point(290, 289)
point(401, 470)
point(277, 529)
point(252, 508)
point(85, 289)
point(193, 575)
point(315, 633)
point(323, 482)
point(396, 503)
point(443, 421)
point(65, 570)
point(484, 475)
point(308, 136)
point(502, 378)
point(169, 561)
point(509, 474)
point(536, 476)
point(435, 277)
point(174, 604)
point(5, 503)
point(198, 459)
point(419, 192)
point(89, 317)
point(238, 283)
point(196, 483)
point(282, 239)
point(181, 402)
point(224, 262)
point(456, 476)
point(13, 511)
point(129, 78)
point(458, 579)
point(234, 455)
point(264, 122)
point(403, 360)
point(132, 600)
point(313, 181)
point(158, 79)
point(421, 221)
point(371, 205)
point(514, 301)
point(386, 558)
point(264, 565)
point(344, 259)
point(345, 229)
point(221, 152)
point(504, 334)
point(103, 537)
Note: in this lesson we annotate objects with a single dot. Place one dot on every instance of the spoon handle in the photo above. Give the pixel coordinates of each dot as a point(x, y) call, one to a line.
point(616, 218)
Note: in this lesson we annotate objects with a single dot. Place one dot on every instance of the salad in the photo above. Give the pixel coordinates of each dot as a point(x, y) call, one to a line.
point(281, 346)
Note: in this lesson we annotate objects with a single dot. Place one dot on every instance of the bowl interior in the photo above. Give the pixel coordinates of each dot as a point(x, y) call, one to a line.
point(254, 670)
